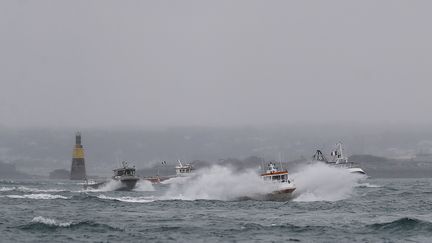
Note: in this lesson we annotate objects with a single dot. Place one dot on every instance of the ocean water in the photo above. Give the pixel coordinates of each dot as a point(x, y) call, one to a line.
point(329, 205)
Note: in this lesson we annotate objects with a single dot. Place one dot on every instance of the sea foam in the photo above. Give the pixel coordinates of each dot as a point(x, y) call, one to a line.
point(50, 222)
point(144, 186)
point(128, 199)
point(37, 196)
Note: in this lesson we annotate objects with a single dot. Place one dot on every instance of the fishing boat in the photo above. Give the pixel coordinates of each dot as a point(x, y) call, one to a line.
point(279, 177)
point(125, 175)
point(184, 169)
point(338, 160)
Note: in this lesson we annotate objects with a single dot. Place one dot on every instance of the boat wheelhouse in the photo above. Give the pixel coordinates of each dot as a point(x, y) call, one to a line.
point(184, 169)
point(124, 172)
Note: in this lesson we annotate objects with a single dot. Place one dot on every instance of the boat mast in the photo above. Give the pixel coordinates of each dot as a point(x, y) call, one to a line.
point(341, 156)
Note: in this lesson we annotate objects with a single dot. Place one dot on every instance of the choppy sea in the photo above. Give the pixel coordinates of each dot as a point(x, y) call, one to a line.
point(329, 205)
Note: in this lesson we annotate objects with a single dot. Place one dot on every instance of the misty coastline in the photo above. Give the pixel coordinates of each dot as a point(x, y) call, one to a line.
point(382, 151)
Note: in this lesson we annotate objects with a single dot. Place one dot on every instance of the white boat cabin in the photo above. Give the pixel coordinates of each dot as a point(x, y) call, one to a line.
point(274, 174)
point(183, 170)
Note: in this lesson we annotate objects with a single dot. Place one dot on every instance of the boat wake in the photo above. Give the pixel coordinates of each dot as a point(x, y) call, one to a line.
point(111, 185)
point(320, 182)
point(128, 199)
point(368, 185)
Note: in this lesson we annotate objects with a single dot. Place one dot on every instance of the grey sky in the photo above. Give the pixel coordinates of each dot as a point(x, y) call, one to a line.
point(147, 63)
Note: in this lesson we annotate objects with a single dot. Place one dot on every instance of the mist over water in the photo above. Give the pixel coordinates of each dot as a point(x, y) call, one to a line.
point(144, 186)
point(321, 182)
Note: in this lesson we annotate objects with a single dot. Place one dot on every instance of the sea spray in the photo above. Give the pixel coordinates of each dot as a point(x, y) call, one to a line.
point(220, 183)
point(111, 185)
point(321, 182)
point(176, 180)
point(144, 186)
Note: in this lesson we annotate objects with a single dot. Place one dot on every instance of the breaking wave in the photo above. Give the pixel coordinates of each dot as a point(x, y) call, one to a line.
point(50, 222)
point(40, 223)
point(128, 199)
point(6, 189)
point(219, 183)
point(27, 189)
point(37, 196)
point(321, 182)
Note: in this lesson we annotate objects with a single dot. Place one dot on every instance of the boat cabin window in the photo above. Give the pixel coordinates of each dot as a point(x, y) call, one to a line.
point(185, 170)
point(276, 178)
point(129, 172)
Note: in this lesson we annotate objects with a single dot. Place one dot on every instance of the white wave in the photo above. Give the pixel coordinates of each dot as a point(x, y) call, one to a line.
point(368, 185)
point(27, 189)
point(111, 185)
point(37, 196)
point(321, 182)
point(219, 183)
point(144, 186)
point(6, 189)
point(51, 222)
point(128, 199)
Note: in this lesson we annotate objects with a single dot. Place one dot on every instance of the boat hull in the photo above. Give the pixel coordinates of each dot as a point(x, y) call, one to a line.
point(356, 171)
point(280, 195)
point(125, 185)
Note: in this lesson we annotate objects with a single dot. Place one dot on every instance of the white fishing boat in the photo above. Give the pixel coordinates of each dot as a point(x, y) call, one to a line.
point(338, 160)
point(184, 169)
point(285, 187)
